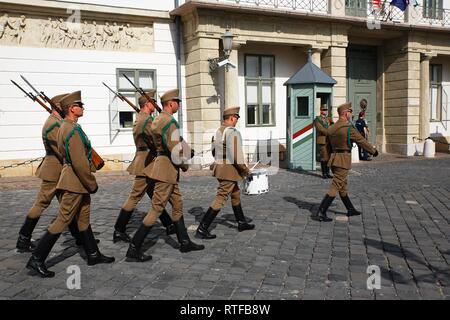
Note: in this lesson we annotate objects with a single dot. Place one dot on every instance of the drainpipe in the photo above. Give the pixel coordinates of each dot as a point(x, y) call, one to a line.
point(178, 56)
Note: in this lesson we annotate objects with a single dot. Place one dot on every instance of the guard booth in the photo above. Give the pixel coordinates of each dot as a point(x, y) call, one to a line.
point(307, 90)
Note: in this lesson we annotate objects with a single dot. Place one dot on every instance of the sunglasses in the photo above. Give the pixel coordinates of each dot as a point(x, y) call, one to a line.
point(236, 116)
point(350, 110)
point(79, 104)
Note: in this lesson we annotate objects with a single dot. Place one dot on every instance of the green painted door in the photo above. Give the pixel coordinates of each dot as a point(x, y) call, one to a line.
point(302, 155)
point(362, 84)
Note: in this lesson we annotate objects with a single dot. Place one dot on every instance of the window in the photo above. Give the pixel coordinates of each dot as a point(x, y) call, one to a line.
point(436, 92)
point(302, 107)
point(145, 79)
point(433, 9)
point(259, 90)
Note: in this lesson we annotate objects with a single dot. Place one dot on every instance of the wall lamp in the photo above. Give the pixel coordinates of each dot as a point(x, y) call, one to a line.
point(227, 41)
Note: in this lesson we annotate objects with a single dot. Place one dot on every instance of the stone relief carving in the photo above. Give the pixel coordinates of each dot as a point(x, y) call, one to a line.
point(55, 32)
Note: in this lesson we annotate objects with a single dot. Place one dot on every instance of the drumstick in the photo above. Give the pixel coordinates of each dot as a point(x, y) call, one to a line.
point(255, 165)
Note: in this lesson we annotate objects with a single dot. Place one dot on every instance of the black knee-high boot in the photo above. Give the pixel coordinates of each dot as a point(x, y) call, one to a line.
point(242, 222)
point(323, 167)
point(351, 211)
point(134, 253)
point(202, 230)
point(186, 244)
point(94, 256)
point(24, 240)
point(37, 259)
point(121, 226)
point(321, 213)
point(167, 222)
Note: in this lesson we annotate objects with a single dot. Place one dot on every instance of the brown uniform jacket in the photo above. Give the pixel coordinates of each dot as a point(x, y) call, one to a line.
point(321, 124)
point(75, 147)
point(170, 148)
point(229, 155)
point(145, 149)
point(341, 135)
point(50, 167)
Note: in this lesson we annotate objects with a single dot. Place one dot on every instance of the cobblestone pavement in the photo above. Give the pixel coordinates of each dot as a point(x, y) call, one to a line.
point(404, 230)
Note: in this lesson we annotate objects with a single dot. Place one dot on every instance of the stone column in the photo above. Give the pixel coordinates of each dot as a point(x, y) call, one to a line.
point(334, 63)
point(316, 57)
point(202, 94)
point(231, 93)
point(425, 96)
point(317, 60)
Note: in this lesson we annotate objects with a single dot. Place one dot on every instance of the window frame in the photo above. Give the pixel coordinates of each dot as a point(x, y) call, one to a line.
point(259, 83)
point(128, 92)
point(433, 10)
point(436, 83)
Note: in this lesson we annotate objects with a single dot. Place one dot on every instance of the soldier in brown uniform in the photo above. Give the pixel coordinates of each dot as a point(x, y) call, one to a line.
point(229, 169)
point(145, 153)
point(48, 171)
point(165, 171)
point(321, 124)
point(76, 183)
point(341, 135)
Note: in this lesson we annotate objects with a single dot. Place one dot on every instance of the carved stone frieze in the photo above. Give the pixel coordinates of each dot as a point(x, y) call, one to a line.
point(58, 32)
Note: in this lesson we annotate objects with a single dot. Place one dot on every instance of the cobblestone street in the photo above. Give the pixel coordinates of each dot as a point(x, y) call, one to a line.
point(404, 230)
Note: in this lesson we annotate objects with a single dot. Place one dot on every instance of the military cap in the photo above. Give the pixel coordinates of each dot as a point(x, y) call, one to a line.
point(231, 111)
point(170, 95)
point(362, 114)
point(57, 99)
point(324, 107)
point(143, 99)
point(344, 106)
point(71, 98)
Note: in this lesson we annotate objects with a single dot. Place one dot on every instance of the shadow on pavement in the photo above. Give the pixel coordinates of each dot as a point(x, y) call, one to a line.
point(401, 252)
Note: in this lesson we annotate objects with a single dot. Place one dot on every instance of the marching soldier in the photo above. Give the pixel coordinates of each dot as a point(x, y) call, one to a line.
point(48, 171)
point(322, 123)
point(341, 135)
point(76, 183)
point(229, 169)
point(145, 152)
point(165, 171)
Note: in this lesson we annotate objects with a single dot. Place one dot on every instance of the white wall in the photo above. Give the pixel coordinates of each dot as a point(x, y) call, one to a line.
point(135, 4)
point(57, 71)
point(287, 62)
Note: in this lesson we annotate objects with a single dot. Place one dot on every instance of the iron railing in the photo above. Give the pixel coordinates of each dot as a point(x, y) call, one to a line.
point(318, 6)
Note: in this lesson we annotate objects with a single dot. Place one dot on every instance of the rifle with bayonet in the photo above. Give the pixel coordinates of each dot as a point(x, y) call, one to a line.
point(33, 97)
point(122, 97)
point(143, 93)
point(44, 97)
point(96, 159)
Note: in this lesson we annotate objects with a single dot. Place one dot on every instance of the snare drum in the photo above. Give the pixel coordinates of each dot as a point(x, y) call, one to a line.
point(257, 182)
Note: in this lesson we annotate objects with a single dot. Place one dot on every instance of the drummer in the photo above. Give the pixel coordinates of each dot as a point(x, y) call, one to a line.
point(229, 168)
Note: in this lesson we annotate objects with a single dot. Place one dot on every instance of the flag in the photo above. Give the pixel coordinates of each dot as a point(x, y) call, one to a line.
point(376, 3)
point(401, 4)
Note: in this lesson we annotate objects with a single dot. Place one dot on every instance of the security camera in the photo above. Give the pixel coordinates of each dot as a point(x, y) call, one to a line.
point(222, 63)
point(226, 62)
point(231, 64)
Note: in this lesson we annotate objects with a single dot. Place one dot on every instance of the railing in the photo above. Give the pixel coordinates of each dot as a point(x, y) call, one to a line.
point(359, 8)
point(383, 12)
point(438, 17)
point(319, 6)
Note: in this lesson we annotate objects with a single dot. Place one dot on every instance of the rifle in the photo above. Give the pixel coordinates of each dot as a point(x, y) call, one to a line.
point(122, 97)
point(96, 159)
point(44, 97)
point(143, 93)
point(33, 97)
